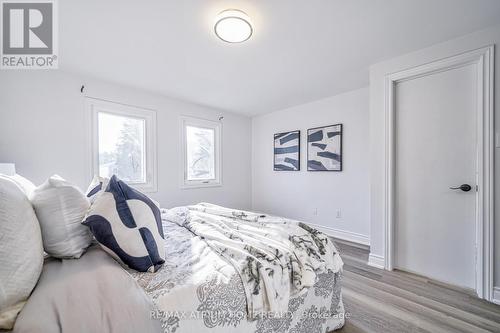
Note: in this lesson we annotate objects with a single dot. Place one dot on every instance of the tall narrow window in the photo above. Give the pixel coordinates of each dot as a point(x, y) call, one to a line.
point(201, 152)
point(123, 143)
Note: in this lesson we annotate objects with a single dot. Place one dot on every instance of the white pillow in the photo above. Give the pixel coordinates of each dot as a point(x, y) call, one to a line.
point(25, 184)
point(21, 251)
point(60, 208)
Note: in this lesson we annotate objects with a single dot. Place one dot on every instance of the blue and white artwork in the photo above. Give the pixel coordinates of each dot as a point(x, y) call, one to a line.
point(287, 151)
point(324, 148)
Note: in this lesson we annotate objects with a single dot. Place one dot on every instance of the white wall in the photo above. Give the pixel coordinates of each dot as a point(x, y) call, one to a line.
point(298, 194)
point(377, 75)
point(43, 130)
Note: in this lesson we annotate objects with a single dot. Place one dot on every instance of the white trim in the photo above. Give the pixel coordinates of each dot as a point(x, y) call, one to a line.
point(92, 107)
point(484, 60)
point(496, 295)
point(376, 261)
point(343, 234)
point(203, 123)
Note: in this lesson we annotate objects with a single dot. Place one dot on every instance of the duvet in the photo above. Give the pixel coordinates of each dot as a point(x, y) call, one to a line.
point(215, 279)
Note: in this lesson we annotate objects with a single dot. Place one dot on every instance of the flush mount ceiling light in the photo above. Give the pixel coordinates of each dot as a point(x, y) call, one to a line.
point(233, 26)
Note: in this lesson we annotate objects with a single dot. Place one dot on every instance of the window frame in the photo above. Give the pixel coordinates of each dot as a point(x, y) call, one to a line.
point(94, 107)
point(201, 123)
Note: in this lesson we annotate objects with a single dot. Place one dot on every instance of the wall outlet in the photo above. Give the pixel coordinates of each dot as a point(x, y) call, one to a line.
point(338, 214)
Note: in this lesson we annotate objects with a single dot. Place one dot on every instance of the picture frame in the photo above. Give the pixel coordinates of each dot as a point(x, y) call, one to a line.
point(287, 151)
point(324, 148)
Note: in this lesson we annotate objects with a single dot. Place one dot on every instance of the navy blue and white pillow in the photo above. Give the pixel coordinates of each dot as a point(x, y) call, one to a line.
point(127, 224)
point(96, 185)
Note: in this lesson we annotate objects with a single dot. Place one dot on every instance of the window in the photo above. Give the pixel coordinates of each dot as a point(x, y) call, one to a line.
point(123, 143)
point(201, 154)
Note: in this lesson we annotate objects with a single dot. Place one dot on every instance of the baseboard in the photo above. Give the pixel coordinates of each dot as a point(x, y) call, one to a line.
point(376, 261)
point(343, 234)
point(496, 295)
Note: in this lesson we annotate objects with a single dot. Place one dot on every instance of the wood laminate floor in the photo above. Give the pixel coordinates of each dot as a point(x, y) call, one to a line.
point(383, 301)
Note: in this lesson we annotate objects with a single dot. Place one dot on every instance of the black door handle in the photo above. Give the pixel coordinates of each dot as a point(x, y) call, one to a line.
point(463, 187)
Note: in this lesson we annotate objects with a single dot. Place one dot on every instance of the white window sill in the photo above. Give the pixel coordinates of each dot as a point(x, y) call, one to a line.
point(199, 185)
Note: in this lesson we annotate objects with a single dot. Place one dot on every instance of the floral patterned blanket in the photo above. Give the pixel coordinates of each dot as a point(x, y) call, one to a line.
point(276, 258)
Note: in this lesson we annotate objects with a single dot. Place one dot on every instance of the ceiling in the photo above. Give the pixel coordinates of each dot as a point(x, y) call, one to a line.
point(301, 50)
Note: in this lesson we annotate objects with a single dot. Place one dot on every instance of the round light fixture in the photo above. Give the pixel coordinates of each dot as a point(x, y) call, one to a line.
point(233, 26)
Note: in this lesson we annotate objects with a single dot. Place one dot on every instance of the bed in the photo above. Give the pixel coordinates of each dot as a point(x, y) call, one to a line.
point(198, 289)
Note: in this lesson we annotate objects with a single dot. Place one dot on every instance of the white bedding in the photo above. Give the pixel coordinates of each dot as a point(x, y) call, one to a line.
point(199, 290)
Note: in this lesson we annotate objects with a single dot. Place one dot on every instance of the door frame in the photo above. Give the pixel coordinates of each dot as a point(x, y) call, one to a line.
point(483, 58)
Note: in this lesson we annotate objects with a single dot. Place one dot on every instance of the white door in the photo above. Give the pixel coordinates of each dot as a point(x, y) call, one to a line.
point(435, 150)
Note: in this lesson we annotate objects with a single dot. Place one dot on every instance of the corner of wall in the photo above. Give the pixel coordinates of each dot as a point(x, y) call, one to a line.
point(252, 162)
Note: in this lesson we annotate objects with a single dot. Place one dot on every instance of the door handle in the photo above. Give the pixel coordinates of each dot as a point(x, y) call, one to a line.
point(463, 187)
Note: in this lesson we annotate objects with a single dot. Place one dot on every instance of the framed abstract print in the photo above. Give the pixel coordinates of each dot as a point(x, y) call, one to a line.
point(287, 151)
point(324, 148)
